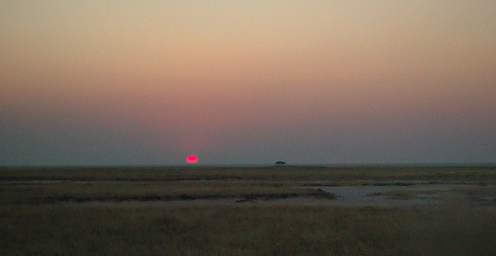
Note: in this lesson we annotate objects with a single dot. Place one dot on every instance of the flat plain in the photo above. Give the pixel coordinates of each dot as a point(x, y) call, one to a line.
point(291, 210)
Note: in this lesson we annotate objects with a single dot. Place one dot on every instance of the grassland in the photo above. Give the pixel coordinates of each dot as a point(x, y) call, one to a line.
point(278, 174)
point(49, 211)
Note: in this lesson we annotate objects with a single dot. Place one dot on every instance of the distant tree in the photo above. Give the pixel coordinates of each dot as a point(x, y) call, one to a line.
point(280, 163)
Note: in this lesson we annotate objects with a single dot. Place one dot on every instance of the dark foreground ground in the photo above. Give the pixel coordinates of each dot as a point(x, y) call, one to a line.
point(248, 211)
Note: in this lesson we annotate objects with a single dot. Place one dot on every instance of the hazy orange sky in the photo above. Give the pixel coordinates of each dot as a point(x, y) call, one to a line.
point(322, 81)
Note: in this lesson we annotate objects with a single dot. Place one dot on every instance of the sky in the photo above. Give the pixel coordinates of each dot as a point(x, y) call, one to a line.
point(121, 82)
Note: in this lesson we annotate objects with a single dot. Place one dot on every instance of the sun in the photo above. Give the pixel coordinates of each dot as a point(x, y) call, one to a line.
point(192, 159)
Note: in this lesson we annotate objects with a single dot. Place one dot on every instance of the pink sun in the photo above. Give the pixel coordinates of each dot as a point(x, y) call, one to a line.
point(192, 159)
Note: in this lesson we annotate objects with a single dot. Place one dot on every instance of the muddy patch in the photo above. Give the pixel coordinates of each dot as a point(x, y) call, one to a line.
point(188, 198)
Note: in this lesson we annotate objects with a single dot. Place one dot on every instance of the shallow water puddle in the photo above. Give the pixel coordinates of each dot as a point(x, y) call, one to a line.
point(395, 195)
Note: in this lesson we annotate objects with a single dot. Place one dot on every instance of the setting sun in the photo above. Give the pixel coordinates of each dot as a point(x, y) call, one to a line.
point(192, 159)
